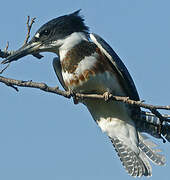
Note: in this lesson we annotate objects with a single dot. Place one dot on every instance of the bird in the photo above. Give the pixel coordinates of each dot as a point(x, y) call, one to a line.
point(86, 63)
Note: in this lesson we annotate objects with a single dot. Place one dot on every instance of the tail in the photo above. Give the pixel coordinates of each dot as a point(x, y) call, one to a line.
point(149, 123)
point(149, 149)
point(138, 165)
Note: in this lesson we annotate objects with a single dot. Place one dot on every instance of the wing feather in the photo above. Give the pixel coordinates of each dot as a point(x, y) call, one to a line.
point(57, 69)
point(124, 75)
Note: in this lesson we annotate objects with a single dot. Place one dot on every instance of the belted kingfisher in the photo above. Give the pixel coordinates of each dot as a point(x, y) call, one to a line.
point(87, 64)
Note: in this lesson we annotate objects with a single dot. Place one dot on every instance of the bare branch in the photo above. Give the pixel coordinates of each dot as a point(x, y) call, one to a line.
point(123, 99)
point(55, 90)
point(6, 53)
point(41, 86)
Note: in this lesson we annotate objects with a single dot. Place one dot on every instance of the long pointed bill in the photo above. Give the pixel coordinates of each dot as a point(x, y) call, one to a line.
point(30, 48)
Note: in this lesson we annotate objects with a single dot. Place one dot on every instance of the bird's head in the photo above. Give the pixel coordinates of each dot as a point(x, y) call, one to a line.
point(51, 35)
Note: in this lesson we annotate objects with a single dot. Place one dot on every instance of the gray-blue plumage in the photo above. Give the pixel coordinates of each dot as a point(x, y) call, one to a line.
point(120, 68)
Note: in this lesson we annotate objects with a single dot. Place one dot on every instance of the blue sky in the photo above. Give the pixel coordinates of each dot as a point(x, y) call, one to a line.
point(45, 136)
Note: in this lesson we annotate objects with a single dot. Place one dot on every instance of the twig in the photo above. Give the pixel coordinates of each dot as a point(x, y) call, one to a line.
point(7, 45)
point(12, 86)
point(29, 26)
point(5, 53)
point(4, 68)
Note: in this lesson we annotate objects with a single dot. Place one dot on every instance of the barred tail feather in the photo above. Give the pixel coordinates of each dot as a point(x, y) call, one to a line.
point(147, 146)
point(138, 165)
point(135, 164)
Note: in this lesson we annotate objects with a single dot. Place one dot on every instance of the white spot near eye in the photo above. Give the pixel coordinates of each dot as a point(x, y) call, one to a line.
point(37, 35)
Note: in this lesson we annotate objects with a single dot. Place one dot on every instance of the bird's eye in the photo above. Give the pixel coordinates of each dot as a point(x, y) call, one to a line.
point(45, 32)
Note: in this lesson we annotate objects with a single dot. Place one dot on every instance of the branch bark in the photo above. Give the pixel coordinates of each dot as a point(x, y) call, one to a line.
point(42, 86)
point(66, 94)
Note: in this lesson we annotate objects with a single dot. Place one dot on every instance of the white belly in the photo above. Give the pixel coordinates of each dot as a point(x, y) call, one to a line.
point(112, 117)
point(100, 83)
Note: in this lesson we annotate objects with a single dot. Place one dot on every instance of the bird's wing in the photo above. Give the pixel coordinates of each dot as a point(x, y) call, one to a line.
point(57, 69)
point(118, 65)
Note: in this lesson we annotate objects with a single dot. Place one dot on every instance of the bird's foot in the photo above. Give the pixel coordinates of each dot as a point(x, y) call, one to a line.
point(73, 95)
point(106, 96)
